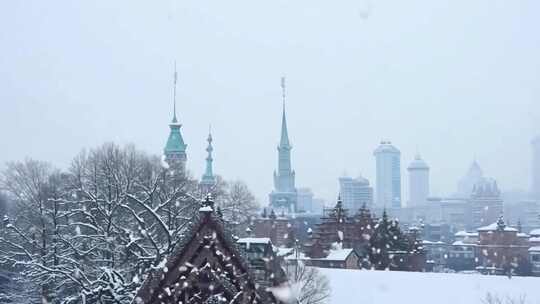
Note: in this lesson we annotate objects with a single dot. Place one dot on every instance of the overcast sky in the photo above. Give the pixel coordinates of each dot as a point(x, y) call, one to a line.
point(455, 79)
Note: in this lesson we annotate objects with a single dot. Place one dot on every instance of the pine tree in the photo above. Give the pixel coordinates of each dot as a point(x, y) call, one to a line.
point(380, 244)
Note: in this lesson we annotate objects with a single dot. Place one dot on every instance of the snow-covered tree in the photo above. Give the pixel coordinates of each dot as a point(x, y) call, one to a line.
point(3, 204)
point(32, 239)
point(92, 232)
point(306, 284)
point(239, 204)
point(387, 239)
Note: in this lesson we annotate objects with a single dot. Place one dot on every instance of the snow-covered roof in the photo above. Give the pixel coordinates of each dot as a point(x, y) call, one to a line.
point(534, 239)
point(522, 235)
point(280, 251)
point(461, 243)
point(253, 240)
point(206, 209)
point(535, 232)
point(535, 249)
point(493, 227)
point(461, 233)
point(426, 242)
point(337, 255)
point(464, 233)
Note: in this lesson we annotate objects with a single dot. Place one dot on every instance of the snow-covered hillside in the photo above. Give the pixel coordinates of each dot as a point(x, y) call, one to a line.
point(385, 287)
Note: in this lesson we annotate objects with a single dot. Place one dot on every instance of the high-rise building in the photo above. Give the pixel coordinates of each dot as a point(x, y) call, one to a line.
point(208, 179)
point(284, 197)
point(535, 184)
point(388, 183)
point(304, 201)
point(418, 182)
point(467, 182)
point(355, 193)
point(317, 206)
point(175, 149)
point(486, 203)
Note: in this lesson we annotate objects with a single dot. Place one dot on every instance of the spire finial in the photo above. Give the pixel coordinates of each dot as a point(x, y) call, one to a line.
point(174, 93)
point(283, 91)
point(284, 141)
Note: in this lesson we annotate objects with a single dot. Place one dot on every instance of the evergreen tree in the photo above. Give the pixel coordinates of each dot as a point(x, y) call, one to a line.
point(386, 241)
point(380, 244)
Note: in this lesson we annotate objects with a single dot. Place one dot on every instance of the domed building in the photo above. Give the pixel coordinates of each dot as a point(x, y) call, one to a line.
point(418, 181)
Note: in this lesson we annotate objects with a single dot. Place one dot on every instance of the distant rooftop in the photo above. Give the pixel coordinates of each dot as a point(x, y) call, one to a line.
point(418, 163)
point(386, 147)
point(493, 227)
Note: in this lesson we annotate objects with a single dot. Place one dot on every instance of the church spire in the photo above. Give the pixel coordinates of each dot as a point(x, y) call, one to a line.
point(284, 140)
point(284, 195)
point(208, 176)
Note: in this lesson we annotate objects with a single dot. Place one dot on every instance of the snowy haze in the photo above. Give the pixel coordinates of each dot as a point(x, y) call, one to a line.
point(455, 79)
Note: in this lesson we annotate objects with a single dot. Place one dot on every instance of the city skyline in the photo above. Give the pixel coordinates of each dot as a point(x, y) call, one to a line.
point(355, 83)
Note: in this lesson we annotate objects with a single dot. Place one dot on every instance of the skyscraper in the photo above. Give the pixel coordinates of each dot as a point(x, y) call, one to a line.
point(304, 201)
point(418, 181)
point(388, 183)
point(535, 174)
point(486, 202)
point(355, 192)
point(175, 149)
point(284, 197)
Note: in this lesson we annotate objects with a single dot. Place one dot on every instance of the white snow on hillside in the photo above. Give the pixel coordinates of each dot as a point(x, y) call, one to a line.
point(393, 287)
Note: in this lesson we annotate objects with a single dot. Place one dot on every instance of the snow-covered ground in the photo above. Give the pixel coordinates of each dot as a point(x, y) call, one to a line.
point(385, 287)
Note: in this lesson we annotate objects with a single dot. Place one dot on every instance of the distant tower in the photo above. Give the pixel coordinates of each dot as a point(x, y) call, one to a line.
point(535, 185)
point(418, 181)
point(284, 196)
point(208, 179)
point(175, 149)
point(388, 183)
point(355, 192)
point(486, 202)
point(466, 183)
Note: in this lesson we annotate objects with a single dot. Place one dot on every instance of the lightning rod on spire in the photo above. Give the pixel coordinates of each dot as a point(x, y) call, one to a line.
point(283, 90)
point(174, 91)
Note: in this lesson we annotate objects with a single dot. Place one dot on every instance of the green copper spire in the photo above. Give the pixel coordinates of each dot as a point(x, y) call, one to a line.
point(208, 176)
point(175, 149)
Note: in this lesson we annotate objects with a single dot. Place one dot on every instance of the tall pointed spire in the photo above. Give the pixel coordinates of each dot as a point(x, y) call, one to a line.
point(284, 196)
point(284, 140)
point(175, 149)
point(208, 176)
